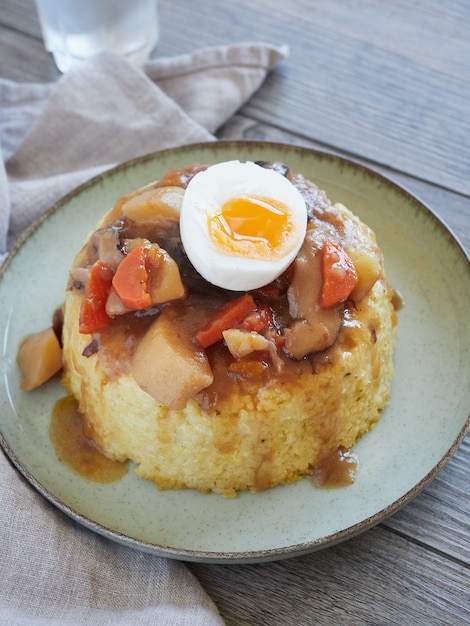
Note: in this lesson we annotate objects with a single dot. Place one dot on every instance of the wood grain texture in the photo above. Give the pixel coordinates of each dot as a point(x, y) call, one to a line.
point(388, 84)
point(357, 80)
point(385, 81)
point(377, 578)
point(453, 208)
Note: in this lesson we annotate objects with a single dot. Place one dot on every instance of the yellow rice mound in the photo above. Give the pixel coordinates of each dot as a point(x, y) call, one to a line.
point(266, 432)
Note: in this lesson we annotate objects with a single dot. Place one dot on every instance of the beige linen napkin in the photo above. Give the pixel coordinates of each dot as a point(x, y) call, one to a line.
point(53, 137)
point(106, 111)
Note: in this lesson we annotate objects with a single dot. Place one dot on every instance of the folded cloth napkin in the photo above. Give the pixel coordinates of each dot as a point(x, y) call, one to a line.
point(53, 137)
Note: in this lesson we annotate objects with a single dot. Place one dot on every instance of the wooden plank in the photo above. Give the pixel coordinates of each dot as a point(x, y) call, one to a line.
point(400, 101)
point(396, 100)
point(376, 578)
point(440, 517)
point(452, 208)
point(16, 52)
point(20, 16)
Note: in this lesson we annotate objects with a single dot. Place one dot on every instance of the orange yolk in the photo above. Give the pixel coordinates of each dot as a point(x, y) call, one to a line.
point(253, 227)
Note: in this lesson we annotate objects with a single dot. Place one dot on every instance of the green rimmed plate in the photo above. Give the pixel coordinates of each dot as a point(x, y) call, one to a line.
point(419, 431)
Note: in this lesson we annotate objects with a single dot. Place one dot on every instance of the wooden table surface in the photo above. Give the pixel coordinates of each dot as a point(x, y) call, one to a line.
point(386, 82)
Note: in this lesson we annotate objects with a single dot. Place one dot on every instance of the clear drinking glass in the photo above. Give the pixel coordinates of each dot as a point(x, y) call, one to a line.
point(74, 30)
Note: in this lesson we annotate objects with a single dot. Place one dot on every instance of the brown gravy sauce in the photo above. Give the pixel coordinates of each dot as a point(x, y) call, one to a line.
point(397, 300)
point(76, 450)
point(80, 453)
point(339, 469)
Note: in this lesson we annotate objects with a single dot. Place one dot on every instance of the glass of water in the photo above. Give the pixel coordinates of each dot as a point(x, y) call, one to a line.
point(75, 30)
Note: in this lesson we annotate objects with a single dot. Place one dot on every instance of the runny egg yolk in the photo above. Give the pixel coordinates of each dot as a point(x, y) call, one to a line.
point(251, 226)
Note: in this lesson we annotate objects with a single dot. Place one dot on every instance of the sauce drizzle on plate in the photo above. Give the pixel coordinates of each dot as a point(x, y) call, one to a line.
point(76, 450)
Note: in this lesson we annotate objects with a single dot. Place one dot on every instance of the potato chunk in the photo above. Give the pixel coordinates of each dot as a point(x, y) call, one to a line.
point(165, 282)
point(152, 205)
point(242, 343)
point(167, 364)
point(368, 266)
point(39, 358)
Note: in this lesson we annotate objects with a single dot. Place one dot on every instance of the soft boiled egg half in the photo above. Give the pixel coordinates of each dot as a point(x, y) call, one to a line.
point(241, 224)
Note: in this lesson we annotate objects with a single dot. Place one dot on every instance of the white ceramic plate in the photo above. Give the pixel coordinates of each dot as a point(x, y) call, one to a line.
point(419, 431)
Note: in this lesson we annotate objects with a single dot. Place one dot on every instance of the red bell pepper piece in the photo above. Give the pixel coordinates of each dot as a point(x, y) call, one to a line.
point(93, 316)
point(229, 316)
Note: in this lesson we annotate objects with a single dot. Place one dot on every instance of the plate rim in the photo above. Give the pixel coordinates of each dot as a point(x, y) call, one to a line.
point(238, 557)
point(250, 556)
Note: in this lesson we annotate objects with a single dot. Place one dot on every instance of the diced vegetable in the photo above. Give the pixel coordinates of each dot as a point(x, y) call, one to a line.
point(93, 316)
point(249, 369)
point(229, 316)
point(314, 328)
point(106, 243)
point(39, 358)
point(167, 364)
point(258, 320)
point(339, 275)
point(147, 276)
point(131, 280)
point(154, 205)
point(114, 305)
point(368, 266)
point(242, 342)
point(165, 282)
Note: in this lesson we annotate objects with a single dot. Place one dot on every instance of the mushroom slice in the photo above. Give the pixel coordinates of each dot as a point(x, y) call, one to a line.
point(314, 328)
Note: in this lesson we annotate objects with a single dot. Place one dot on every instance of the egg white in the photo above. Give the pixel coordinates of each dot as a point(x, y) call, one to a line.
point(205, 195)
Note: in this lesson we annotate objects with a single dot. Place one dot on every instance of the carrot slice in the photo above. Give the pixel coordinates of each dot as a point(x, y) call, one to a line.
point(93, 316)
point(229, 316)
point(339, 275)
point(131, 280)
